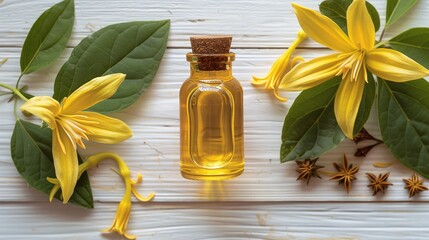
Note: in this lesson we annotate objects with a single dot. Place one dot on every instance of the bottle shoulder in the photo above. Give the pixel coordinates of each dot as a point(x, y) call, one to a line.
point(196, 81)
point(232, 87)
point(191, 83)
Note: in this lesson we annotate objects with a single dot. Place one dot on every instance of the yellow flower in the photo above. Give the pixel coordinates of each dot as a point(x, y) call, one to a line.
point(357, 53)
point(120, 223)
point(121, 219)
point(70, 124)
point(281, 66)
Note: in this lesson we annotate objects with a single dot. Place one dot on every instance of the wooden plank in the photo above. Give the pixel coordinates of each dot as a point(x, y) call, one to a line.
point(253, 23)
point(271, 221)
point(154, 149)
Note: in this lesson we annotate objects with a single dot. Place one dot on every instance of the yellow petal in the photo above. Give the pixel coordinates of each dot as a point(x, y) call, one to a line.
point(54, 189)
point(103, 129)
point(322, 29)
point(360, 26)
point(275, 74)
point(44, 107)
point(394, 66)
point(65, 162)
point(347, 102)
point(281, 66)
point(142, 198)
point(312, 73)
point(122, 216)
point(92, 92)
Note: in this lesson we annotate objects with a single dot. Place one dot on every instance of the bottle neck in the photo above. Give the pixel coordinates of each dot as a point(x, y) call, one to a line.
point(211, 66)
point(197, 73)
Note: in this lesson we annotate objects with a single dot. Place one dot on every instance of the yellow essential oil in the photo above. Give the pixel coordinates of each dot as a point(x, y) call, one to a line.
point(211, 113)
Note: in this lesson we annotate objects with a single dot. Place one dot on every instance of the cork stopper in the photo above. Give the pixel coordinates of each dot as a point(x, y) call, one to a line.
point(211, 44)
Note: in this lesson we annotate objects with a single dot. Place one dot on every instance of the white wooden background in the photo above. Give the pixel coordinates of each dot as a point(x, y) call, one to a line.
point(265, 202)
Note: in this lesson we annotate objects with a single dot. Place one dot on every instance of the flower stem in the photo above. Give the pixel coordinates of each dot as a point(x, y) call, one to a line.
point(15, 91)
point(95, 159)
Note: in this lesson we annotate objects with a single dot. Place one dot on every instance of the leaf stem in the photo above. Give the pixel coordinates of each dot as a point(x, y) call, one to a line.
point(382, 34)
point(380, 44)
point(2, 61)
point(19, 80)
point(15, 105)
point(15, 91)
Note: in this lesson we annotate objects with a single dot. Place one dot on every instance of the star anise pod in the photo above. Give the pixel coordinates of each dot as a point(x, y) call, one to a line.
point(363, 135)
point(414, 185)
point(362, 152)
point(345, 174)
point(307, 169)
point(378, 184)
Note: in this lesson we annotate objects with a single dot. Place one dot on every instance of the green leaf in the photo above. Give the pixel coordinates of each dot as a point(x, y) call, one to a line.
point(395, 9)
point(337, 9)
point(48, 37)
point(413, 43)
point(31, 149)
point(310, 127)
point(134, 48)
point(403, 113)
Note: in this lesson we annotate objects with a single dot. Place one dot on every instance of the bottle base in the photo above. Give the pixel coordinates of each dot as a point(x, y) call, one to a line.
point(211, 177)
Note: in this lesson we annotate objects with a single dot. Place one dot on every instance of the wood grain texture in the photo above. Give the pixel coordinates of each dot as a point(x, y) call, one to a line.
point(232, 221)
point(265, 202)
point(253, 23)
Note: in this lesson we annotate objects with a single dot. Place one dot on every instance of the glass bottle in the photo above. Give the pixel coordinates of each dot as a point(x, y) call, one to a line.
point(211, 118)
